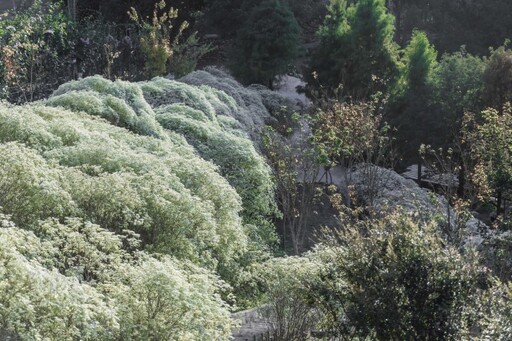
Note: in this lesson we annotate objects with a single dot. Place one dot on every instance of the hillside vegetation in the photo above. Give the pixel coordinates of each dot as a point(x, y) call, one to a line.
point(147, 194)
point(124, 220)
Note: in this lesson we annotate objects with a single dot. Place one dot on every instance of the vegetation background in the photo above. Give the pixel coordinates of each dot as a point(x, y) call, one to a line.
point(152, 181)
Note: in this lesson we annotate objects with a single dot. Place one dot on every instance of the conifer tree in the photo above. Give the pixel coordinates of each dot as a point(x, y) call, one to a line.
point(267, 43)
point(411, 108)
point(356, 51)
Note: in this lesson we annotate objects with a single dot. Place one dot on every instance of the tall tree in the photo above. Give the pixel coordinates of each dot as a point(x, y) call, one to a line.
point(356, 50)
point(411, 109)
point(267, 43)
point(459, 86)
point(498, 77)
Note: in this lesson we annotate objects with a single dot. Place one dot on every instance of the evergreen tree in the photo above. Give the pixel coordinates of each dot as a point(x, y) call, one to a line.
point(411, 108)
point(356, 51)
point(498, 77)
point(216, 13)
point(267, 43)
point(459, 86)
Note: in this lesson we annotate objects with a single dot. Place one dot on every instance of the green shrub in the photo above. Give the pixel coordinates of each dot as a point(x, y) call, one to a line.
point(395, 278)
point(35, 51)
point(105, 288)
point(162, 189)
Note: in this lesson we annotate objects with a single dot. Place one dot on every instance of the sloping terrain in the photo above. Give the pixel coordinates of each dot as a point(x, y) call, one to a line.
point(125, 207)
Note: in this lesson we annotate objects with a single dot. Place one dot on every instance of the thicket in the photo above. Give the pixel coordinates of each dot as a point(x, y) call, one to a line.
point(139, 221)
point(384, 278)
point(266, 44)
point(44, 47)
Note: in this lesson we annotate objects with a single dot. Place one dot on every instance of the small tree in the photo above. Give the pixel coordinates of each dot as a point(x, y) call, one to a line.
point(348, 135)
point(295, 172)
point(267, 43)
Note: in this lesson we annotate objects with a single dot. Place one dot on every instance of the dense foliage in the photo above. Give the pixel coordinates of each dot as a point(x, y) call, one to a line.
point(31, 48)
point(266, 44)
point(45, 45)
point(141, 205)
point(135, 207)
point(386, 278)
point(356, 51)
point(76, 280)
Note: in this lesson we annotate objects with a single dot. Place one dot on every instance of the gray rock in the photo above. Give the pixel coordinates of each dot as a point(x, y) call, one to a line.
point(384, 190)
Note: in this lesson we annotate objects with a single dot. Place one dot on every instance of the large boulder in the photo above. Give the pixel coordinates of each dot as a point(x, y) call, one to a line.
point(382, 190)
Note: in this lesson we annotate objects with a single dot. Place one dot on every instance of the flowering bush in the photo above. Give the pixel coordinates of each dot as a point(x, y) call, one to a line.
point(78, 281)
point(73, 165)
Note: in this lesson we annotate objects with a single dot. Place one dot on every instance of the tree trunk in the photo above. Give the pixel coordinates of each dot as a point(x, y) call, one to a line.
point(72, 9)
point(462, 180)
point(499, 199)
point(400, 34)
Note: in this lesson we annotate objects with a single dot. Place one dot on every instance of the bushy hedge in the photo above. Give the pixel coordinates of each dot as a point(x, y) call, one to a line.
point(78, 281)
point(163, 190)
point(121, 103)
point(126, 213)
point(208, 119)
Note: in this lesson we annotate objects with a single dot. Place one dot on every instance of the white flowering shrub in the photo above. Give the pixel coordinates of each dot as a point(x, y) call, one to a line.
point(38, 303)
point(216, 136)
point(119, 219)
point(29, 187)
point(235, 155)
point(209, 119)
point(290, 311)
point(165, 300)
point(77, 281)
point(159, 188)
point(121, 103)
point(250, 111)
point(161, 91)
